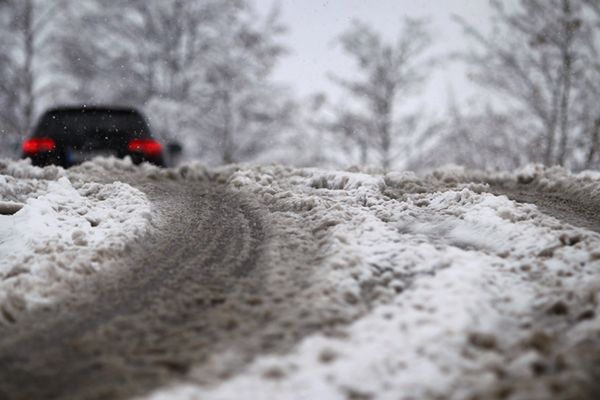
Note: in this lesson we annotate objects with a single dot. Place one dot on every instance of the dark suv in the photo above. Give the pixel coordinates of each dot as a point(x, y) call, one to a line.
point(70, 135)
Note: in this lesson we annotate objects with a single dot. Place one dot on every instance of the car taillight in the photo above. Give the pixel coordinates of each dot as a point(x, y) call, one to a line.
point(37, 145)
point(149, 147)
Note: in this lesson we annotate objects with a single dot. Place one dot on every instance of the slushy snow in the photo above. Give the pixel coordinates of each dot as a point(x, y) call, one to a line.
point(459, 293)
point(467, 294)
point(60, 232)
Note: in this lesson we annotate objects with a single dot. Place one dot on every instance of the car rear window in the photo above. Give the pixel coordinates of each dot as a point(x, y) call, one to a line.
point(77, 127)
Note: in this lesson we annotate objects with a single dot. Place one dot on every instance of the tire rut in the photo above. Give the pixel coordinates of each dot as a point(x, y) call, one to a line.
point(562, 206)
point(146, 324)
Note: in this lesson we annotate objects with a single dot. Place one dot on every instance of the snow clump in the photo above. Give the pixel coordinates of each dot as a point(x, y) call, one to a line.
point(457, 292)
point(59, 230)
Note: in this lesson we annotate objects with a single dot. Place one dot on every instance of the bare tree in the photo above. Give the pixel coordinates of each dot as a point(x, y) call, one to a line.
point(475, 139)
point(589, 85)
point(134, 50)
point(533, 59)
point(200, 67)
point(247, 110)
point(390, 72)
point(26, 39)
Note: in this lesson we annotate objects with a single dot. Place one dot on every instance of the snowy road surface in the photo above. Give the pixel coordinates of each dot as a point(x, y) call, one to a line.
point(279, 283)
point(169, 279)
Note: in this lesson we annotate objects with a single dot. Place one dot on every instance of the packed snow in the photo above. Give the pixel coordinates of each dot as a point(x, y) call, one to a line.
point(457, 292)
point(57, 230)
point(466, 293)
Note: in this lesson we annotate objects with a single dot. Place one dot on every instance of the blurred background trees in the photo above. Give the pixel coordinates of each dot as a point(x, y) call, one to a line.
point(28, 40)
point(388, 74)
point(539, 64)
point(202, 72)
point(199, 68)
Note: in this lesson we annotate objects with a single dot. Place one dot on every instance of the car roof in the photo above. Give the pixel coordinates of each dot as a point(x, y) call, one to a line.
point(75, 121)
point(94, 108)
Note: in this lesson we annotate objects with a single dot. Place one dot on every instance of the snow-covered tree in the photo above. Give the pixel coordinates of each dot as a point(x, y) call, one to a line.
point(247, 111)
point(388, 72)
point(27, 32)
point(475, 139)
point(199, 68)
point(316, 138)
point(539, 58)
point(590, 86)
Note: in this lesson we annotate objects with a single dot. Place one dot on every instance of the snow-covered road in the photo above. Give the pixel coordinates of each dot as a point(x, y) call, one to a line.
point(279, 283)
point(132, 323)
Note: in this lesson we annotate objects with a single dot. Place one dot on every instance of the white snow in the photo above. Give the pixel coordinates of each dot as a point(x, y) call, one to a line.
point(460, 284)
point(457, 293)
point(63, 232)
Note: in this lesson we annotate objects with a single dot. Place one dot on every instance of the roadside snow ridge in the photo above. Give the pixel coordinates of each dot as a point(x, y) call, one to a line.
point(63, 232)
point(461, 293)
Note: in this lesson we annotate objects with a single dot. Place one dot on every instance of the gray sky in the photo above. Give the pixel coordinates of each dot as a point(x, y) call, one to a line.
point(314, 25)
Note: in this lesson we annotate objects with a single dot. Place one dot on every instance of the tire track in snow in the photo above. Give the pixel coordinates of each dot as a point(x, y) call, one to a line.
point(134, 328)
point(468, 285)
point(225, 276)
point(562, 206)
point(196, 313)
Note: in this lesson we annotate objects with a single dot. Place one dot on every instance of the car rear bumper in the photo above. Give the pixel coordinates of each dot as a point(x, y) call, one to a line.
point(53, 158)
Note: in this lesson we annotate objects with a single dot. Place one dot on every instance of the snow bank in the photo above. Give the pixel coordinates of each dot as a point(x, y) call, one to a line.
point(457, 293)
point(60, 229)
point(583, 186)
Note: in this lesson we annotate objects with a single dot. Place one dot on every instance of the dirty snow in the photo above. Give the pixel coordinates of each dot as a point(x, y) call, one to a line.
point(57, 230)
point(466, 293)
point(455, 292)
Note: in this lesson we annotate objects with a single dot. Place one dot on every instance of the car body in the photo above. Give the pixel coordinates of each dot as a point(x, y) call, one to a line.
point(67, 136)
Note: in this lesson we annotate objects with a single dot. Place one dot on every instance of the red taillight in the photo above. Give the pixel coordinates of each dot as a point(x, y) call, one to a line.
point(37, 145)
point(149, 147)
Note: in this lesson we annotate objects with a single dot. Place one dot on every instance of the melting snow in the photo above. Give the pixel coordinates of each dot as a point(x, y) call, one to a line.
point(61, 232)
point(466, 289)
point(462, 293)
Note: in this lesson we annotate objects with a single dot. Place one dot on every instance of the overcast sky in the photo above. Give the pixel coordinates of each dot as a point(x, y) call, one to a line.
point(314, 25)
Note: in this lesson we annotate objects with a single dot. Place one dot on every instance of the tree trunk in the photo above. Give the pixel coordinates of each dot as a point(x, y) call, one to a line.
point(594, 145)
point(28, 75)
point(549, 153)
point(364, 150)
point(385, 145)
point(567, 70)
point(227, 139)
point(550, 124)
point(384, 116)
